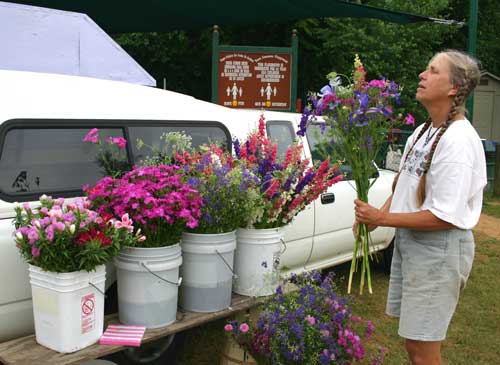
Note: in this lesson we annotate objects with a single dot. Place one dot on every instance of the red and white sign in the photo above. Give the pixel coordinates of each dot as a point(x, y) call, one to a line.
point(88, 313)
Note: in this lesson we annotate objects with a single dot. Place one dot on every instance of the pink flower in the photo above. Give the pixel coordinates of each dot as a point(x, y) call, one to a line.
point(126, 222)
point(377, 83)
point(92, 136)
point(311, 320)
point(410, 120)
point(119, 141)
point(244, 328)
point(228, 328)
point(35, 251)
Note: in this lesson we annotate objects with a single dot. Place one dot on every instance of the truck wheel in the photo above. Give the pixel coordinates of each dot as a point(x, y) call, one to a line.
point(388, 257)
point(161, 351)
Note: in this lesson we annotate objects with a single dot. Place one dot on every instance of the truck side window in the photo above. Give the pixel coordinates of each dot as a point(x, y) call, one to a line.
point(319, 152)
point(150, 135)
point(281, 132)
point(37, 160)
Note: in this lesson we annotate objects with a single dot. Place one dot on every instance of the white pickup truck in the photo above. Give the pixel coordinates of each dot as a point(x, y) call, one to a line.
point(43, 119)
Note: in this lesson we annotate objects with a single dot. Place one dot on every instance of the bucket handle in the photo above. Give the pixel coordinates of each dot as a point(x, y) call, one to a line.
point(99, 290)
point(179, 282)
point(284, 246)
point(228, 266)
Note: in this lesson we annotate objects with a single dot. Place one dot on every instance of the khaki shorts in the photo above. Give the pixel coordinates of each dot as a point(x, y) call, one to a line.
point(428, 271)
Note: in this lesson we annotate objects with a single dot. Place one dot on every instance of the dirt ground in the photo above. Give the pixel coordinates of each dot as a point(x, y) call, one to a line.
point(489, 225)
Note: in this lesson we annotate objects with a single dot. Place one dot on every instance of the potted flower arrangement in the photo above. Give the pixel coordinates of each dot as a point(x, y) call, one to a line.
point(357, 119)
point(163, 206)
point(286, 186)
point(309, 324)
point(228, 191)
point(66, 246)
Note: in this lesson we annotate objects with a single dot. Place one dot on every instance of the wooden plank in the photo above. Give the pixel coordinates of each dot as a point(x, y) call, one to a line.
point(25, 350)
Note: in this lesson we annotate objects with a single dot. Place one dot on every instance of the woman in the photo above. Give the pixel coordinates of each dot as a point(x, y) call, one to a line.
point(436, 201)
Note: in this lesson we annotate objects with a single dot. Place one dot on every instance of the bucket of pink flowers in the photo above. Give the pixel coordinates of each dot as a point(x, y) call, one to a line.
point(67, 247)
point(162, 206)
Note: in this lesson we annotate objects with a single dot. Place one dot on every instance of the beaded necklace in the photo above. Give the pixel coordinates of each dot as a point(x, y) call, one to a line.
point(429, 136)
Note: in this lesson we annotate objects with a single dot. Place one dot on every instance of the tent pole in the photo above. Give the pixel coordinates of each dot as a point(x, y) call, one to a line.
point(215, 64)
point(471, 47)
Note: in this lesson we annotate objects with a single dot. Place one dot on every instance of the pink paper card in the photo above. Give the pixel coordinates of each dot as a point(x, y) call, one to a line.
point(119, 334)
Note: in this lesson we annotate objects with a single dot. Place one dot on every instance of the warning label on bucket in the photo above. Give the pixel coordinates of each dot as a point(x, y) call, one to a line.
point(88, 313)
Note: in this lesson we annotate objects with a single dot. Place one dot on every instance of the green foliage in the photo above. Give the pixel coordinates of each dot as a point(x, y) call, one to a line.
point(491, 205)
point(396, 51)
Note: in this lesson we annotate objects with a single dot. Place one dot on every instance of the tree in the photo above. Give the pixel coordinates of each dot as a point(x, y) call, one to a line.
point(398, 52)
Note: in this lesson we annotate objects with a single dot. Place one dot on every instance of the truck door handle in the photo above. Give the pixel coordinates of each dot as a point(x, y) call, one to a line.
point(327, 198)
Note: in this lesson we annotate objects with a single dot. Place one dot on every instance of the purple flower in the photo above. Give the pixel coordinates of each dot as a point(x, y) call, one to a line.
point(303, 122)
point(237, 149)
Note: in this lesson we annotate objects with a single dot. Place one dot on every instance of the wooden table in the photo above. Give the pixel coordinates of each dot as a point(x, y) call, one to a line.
point(25, 350)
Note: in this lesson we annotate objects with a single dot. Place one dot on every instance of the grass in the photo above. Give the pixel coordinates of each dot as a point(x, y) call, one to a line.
point(491, 205)
point(474, 333)
point(473, 336)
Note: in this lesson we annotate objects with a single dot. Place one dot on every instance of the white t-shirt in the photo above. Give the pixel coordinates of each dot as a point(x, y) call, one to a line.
point(455, 180)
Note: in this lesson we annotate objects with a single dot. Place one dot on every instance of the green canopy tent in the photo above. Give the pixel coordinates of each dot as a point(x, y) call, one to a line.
point(124, 16)
point(127, 16)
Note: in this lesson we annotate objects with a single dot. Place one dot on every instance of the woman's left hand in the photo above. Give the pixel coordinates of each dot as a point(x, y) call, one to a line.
point(367, 214)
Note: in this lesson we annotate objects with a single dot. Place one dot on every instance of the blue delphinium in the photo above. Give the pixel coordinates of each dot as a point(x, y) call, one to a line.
point(310, 325)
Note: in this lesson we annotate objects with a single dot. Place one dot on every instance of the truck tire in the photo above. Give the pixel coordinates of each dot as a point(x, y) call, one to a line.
point(159, 352)
point(388, 257)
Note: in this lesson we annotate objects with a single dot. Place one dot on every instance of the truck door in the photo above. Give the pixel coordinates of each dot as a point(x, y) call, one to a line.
point(333, 240)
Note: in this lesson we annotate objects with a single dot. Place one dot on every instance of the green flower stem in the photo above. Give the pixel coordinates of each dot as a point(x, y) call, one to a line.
point(361, 247)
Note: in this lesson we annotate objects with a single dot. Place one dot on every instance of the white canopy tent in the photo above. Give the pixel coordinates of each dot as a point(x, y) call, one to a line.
point(53, 41)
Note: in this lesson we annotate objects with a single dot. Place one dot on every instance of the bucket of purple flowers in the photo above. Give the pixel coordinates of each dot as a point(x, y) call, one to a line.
point(308, 324)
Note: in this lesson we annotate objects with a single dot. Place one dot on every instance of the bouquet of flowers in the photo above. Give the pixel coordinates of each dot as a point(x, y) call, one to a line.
point(286, 187)
point(309, 325)
point(113, 157)
point(155, 197)
point(228, 188)
point(70, 237)
point(356, 120)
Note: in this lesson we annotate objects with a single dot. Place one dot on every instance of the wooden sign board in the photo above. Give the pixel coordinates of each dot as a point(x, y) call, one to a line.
point(255, 80)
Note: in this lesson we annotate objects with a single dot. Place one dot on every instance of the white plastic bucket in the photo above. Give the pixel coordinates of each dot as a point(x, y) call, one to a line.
point(147, 285)
point(68, 311)
point(256, 261)
point(207, 271)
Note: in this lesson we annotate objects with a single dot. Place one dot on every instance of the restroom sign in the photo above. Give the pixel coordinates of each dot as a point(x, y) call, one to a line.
point(255, 80)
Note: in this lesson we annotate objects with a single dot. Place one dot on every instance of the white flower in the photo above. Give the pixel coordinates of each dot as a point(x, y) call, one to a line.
point(72, 228)
point(19, 235)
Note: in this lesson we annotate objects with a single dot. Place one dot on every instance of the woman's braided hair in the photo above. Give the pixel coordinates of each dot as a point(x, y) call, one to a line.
point(464, 73)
